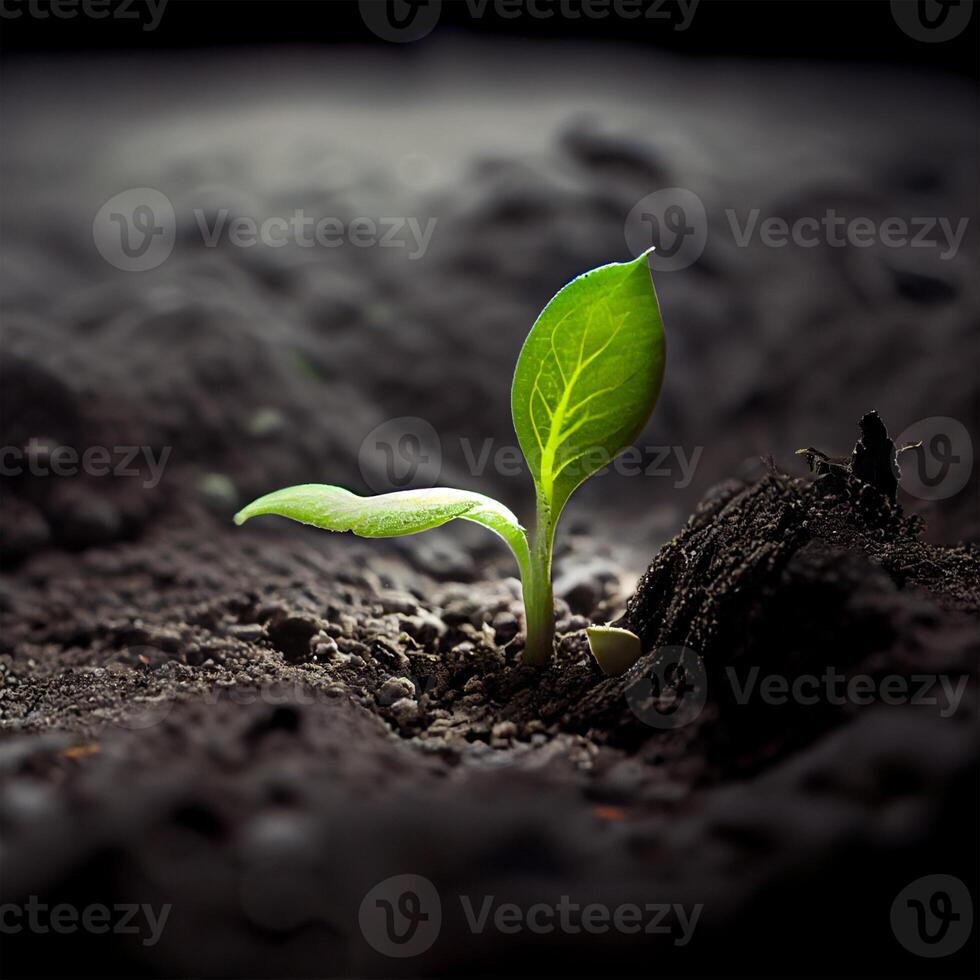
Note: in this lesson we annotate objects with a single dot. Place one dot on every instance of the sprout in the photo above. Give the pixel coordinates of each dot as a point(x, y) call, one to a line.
point(586, 382)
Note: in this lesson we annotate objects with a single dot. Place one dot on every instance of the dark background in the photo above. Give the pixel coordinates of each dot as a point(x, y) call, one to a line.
point(825, 30)
point(791, 108)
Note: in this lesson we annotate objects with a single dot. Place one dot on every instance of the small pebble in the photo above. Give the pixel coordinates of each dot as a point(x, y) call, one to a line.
point(326, 650)
point(397, 602)
point(423, 627)
point(405, 711)
point(394, 689)
point(506, 627)
point(504, 731)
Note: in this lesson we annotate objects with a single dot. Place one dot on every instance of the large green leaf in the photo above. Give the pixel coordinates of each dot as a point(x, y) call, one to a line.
point(388, 515)
point(588, 377)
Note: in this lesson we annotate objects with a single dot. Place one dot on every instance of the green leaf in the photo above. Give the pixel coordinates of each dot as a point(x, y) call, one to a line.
point(588, 377)
point(388, 515)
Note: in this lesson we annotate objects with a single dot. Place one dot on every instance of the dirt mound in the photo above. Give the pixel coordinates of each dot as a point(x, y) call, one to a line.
point(282, 699)
point(787, 578)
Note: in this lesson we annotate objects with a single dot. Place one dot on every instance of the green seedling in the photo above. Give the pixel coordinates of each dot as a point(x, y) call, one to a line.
point(586, 382)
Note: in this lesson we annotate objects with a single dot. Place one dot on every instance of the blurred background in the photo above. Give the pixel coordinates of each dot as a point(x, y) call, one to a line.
point(249, 244)
point(303, 241)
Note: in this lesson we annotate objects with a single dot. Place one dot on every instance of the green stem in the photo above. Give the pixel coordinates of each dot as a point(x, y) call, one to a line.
point(539, 608)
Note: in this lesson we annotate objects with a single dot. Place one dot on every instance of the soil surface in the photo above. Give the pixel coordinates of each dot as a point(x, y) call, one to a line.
point(280, 728)
point(254, 728)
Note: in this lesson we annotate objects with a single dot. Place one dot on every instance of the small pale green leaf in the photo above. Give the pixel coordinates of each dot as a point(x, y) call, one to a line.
point(588, 376)
point(388, 515)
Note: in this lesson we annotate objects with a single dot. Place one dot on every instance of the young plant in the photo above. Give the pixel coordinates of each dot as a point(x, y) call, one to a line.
point(586, 382)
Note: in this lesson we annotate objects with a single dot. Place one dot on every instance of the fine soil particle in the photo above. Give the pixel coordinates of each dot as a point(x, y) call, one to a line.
point(257, 730)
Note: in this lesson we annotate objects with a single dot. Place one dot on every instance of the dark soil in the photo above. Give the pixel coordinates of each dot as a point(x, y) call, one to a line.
point(256, 726)
point(257, 731)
